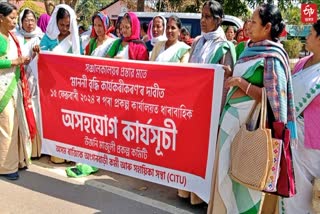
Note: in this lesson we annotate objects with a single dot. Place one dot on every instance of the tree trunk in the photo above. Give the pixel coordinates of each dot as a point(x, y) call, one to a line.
point(71, 3)
point(49, 5)
point(140, 5)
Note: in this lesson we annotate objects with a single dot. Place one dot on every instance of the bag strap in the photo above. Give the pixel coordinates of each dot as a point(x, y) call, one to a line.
point(263, 109)
point(255, 105)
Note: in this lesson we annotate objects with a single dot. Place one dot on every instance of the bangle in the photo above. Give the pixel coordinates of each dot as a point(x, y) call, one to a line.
point(248, 87)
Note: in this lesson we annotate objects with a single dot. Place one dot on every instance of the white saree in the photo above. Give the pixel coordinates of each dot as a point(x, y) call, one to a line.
point(306, 161)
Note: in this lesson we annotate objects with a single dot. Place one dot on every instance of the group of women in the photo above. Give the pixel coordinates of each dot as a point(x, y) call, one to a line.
point(262, 63)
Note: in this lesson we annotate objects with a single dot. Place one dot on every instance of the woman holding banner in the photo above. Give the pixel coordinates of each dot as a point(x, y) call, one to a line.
point(29, 35)
point(17, 123)
point(306, 85)
point(61, 37)
point(211, 47)
point(101, 39)
point(263, 64)
point(129, 46)
point(171, 50)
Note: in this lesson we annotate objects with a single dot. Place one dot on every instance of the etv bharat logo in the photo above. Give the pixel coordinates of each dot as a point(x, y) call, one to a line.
point(309, 13)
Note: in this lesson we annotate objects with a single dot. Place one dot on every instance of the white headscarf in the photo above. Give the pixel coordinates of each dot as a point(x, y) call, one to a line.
point(53, 31)
point(36, 32)
point(162, 37)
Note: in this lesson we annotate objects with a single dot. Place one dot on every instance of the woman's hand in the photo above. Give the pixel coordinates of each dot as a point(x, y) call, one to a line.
point(233, 81)
point(20, 60)
point(36, 48)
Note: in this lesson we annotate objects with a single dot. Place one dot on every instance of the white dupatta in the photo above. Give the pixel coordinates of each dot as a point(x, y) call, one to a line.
point(168, 55)
point(206, 46)
point(306, 84)
point(162, 37)
point(63, 46)
point(101, 50)
point(35, 36)
point(53, 31)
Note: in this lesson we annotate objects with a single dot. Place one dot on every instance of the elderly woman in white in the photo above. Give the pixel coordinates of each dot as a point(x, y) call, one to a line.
point(29, 36)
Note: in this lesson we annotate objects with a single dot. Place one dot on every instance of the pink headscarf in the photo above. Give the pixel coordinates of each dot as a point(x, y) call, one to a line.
point(106, 23)
point(150, 30)
point(43, 22)
point(135, 27)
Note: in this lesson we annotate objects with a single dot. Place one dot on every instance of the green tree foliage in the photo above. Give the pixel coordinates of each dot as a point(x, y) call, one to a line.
point(241, 10)
point(282, 4)
point(292, 15)
point(87, 8)
point(49, 4)
point(161, 6)
point(140, 5)
point(33, 6)
point(195, 6)
point(293, 47)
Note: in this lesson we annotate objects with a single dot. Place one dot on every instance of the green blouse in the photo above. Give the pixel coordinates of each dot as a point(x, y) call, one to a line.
point(239, 48)
point(257, 77)
point(4, 62)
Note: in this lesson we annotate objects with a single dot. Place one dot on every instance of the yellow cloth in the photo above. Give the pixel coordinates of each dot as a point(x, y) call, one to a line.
point(13, 137)
point(9, 154)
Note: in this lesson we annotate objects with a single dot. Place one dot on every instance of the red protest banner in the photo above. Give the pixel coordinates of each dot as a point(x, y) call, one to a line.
point(146, 120)
point(309, 13)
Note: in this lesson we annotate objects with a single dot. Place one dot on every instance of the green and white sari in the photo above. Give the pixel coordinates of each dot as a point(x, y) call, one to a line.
point(263, 64)
point(235, 197)
point(15, 143)
point(178, 52)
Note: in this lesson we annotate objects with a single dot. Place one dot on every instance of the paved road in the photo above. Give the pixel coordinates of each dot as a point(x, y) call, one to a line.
point(44, 188)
